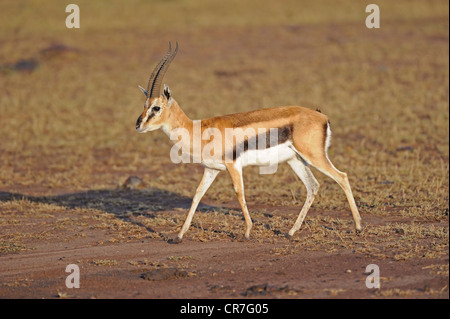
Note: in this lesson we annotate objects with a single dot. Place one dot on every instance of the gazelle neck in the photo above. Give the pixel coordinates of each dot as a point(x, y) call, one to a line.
point(176, 119)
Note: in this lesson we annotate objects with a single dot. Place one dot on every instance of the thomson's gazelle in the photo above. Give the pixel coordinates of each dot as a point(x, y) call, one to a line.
point(303, 137)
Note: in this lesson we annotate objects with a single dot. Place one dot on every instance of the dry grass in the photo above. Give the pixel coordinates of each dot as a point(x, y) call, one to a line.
point(68, 126)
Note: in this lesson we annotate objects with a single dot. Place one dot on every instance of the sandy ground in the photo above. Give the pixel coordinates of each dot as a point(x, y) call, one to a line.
point(226, 268)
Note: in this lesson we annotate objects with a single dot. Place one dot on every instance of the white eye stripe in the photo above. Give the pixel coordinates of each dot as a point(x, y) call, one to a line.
point(154, 109)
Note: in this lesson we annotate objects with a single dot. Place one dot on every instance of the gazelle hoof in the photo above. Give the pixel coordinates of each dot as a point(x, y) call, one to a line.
point(176, 240)
point(289, 236)
point(242, 238)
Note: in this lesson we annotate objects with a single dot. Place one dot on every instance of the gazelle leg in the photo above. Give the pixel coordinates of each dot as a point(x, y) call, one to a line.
point(323, 164)
point(209, 175)
point(312, 187)
point(236, 177)
point(342, 179)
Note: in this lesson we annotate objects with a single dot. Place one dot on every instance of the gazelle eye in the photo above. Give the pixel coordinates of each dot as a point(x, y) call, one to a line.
point(156, 108)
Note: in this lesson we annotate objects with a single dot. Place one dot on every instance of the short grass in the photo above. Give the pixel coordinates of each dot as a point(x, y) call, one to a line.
point(68, 126)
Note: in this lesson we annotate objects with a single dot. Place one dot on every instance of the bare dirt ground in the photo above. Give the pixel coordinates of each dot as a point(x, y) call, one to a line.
point(227, 267)
point(219, 270)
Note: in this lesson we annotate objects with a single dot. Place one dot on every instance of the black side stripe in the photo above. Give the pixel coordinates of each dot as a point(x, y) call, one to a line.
point(284, 134)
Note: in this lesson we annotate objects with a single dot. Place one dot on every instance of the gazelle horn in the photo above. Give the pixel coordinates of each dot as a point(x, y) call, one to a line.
point(154, 83)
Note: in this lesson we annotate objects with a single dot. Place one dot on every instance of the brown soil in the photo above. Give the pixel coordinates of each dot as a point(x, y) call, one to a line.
point(227, 267)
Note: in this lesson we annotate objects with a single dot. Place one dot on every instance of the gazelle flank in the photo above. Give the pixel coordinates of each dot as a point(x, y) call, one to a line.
point(302, 140)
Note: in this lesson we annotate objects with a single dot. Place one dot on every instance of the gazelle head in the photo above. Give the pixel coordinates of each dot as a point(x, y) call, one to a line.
point(157, 105)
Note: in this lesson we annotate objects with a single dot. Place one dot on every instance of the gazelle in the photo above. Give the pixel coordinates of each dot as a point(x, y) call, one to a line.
point(303, 139)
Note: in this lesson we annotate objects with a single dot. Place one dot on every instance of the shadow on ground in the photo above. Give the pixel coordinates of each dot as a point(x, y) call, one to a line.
point(123, 203)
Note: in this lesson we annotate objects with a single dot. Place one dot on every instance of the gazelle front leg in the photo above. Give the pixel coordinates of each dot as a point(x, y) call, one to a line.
point(209, 175)
point(236, 176)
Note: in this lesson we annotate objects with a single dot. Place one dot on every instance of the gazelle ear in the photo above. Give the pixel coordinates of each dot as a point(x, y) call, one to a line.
point(168, 95)
point(143, 90)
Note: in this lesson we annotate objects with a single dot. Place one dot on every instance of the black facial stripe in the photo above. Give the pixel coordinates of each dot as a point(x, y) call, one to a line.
point(284, 134)
point(150, 117)
point(138, 122)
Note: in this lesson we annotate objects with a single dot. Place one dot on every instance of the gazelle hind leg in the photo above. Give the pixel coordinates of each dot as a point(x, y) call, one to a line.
point(323, 164)
point(312, 187)
point(342, 179)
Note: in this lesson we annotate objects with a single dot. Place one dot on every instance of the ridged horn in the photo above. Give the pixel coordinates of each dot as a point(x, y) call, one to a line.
point(154, 83)
point(156, 69)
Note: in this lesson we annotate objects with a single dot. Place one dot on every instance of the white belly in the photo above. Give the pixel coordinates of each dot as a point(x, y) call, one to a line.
point(269, 156)
point(264, 157)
